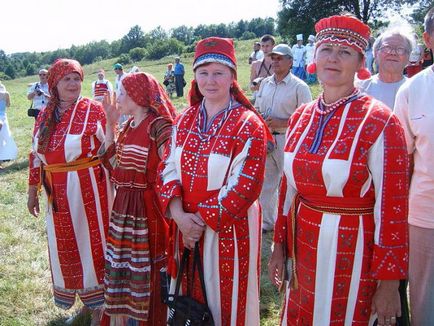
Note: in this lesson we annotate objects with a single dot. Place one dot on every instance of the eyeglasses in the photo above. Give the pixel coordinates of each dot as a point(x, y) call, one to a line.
point(42, 74)
point(390, 49)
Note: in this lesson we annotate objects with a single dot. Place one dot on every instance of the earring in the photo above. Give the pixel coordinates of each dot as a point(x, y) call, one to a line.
point(311, 68)
point(363, 73)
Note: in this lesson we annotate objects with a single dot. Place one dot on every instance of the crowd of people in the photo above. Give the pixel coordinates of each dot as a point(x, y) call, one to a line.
point(343, 181)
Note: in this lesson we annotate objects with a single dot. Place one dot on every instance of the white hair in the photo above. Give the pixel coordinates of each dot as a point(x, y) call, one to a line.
point(399, 27)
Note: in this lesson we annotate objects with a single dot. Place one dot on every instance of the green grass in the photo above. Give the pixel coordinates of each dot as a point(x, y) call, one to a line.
point(25, 280)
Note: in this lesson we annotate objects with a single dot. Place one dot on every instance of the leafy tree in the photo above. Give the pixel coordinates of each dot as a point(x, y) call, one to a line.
point(221, 30)
point(248, 35)
point(201, 31)
point(115, 48)
point(10, 71)
point(157, 50)
point(420, 11)
point(3, 76)
point(124, 58)
point(134, 39)
point(300, 16)
point(31, 69)
point(157, 34)
point(261, 26)
point(242, 27)
point(137, 54)
point(183, 34)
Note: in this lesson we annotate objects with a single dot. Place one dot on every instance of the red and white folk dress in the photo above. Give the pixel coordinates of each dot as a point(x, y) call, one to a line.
point(79, 203)
point(349, 169)
point(217, 169)
point(137, 241)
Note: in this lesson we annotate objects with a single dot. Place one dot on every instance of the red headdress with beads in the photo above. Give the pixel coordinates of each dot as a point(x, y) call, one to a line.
point(343, 30)
point(346, 31)
point(220, 50)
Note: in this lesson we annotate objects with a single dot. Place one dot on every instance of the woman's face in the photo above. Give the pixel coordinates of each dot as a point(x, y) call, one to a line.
point(214, 80)
point(125, 103)
point(69, 87)
point(336, 65)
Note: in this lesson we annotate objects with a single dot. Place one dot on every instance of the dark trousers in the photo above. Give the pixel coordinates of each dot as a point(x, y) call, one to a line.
point(179, 84)
point(404, 320)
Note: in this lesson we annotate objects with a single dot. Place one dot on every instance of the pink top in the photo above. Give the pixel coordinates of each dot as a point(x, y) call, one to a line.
point(414, 106)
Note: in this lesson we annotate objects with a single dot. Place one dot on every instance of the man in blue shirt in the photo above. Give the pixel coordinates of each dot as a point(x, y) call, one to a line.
point(179, 77)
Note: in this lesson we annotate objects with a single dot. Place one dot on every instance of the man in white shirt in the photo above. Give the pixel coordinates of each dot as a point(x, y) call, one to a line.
point(391, 50)
point(38, 93)
point(415, 108)
point(277, 98)
point(101, 87)
point(299, 55)
point(257, 53)
point(120, 75)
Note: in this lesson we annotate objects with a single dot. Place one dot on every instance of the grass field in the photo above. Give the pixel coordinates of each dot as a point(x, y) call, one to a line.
point(25, 281)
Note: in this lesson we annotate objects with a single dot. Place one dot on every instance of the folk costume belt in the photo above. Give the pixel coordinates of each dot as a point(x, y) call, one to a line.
point(325, 205)
point(77, 165)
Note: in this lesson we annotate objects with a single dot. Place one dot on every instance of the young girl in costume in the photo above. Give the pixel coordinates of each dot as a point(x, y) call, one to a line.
point(136, 243)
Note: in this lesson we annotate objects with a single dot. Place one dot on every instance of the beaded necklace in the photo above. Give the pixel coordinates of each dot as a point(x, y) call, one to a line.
point(216, 127)
point(323, 108)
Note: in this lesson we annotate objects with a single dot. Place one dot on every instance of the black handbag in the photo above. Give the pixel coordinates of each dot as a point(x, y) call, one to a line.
point(31, 112)
point(166, 82)
point(184, 310)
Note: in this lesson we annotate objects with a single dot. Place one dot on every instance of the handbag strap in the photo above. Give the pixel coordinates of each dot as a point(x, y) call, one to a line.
point(198, 263)
point(184, 260)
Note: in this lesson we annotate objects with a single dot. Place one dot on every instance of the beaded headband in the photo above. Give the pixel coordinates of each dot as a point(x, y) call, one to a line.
point(214, 57)
point(343, 30)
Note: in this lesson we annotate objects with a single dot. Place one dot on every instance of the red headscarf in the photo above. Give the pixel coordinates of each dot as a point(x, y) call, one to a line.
point(220, 50)
point(145, 91)
point(59, 69)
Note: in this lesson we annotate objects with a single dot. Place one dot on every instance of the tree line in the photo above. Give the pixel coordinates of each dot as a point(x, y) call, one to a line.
point(134, 46)
point(295, 17)
point(300, 16)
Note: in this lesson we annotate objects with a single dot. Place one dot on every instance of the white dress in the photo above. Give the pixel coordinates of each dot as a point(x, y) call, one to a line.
point(8, 148)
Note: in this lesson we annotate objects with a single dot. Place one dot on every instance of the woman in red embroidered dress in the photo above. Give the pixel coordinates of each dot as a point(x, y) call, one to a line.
point(67, 137)
point(343, 208)
point(137, 241)
point(211, 180)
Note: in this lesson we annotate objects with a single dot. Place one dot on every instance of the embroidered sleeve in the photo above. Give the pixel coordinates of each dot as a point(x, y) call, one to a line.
point(34, 169)
point(280, 228)
point(108, 156)
point(160, 131)
point(243, 184)
point(169, 181)
point(34, 162)
point(388, 163)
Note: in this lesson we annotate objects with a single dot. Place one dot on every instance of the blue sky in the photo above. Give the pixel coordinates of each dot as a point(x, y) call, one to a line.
point(45, 25)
